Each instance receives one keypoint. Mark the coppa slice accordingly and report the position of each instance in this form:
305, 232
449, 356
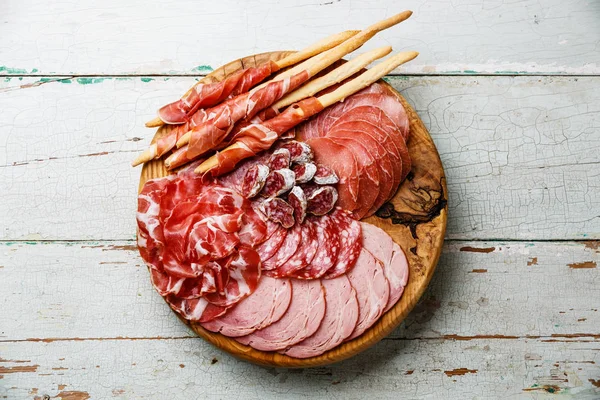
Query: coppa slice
341, 315
343, 163
372, 293
264, 307
301, 320
327, 254
350, 243
195, 309
395, 265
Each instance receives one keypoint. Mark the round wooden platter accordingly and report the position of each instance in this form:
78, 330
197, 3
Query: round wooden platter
415, 218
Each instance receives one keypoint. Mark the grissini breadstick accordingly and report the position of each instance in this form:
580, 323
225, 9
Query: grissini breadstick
316, 64
205, 92
261, 136
179, 158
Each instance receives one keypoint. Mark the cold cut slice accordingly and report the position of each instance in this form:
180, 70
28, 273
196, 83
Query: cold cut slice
301, 320
395, 265
303, 255
278, 182
327, 253
304, 172
372, 291
325, 176
264, 307
279, 211
299, 152
254, 180
321, 200
297, 199
341, 315
286, 250
279, 159
198, 309
269, 247
350, 243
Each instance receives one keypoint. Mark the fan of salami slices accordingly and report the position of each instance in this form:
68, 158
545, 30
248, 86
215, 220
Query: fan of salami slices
287, 198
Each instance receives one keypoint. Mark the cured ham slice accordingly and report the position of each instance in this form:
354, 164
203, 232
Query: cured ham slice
300, 321
372, 292
266, 306
395, 265
341, 315
198, 309
343, 162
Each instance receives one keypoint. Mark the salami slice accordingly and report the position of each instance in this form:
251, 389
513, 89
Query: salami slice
300, 152
254, 180
325, 176
327, 253
297, 199
278, 210
322, 200
304, 254
304, 172
278, 182
244, 273
350, 243
270, 246
286, 250
280, 159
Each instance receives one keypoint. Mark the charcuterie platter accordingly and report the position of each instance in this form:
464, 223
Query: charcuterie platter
269, 245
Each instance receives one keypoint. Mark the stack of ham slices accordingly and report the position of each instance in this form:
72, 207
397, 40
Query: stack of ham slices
259, 236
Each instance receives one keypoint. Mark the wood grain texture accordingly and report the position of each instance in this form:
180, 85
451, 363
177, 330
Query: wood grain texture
87, 290
128, 37
422, 201
520, 153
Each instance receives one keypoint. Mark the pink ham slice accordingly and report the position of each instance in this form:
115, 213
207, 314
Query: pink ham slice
301, 320
372, 290
338, 323
343, 162
264, 307
395, 266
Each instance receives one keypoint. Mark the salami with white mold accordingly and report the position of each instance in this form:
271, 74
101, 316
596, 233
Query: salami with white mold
278, 182
304, 172
278, 210
297, 199
322, 200
325, 176
300, 152
280, 159
254, 180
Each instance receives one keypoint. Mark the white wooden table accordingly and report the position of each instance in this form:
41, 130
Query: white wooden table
510, 92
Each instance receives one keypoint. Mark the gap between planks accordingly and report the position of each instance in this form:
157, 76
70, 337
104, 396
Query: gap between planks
409, 74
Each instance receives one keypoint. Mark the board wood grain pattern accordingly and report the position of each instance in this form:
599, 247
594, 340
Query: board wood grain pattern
421, 194
519, 153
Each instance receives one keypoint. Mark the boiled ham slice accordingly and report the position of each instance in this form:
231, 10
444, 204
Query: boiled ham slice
301, 320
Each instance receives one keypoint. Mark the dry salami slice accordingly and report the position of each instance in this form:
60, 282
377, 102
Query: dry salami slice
304, 172
244, 273
278, 210
325, 176
286, 250
327, 253
280, 159
322, 200
278, 182
297, 199
300, 152
269, 247
303, 255
350, 243
254, 180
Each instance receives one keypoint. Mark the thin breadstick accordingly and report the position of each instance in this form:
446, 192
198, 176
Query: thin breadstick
337, 75
365, 79
308, 52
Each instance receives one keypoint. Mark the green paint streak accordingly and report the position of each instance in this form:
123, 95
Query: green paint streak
34, 70
202, 68
123, 79
20, 78
16, 71
89, 81
147, 79
469, 71
166, 79
7, 80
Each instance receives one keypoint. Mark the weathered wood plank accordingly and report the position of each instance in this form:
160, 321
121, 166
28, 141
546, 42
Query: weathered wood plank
520, 153
189, 368
481, 289
128, 37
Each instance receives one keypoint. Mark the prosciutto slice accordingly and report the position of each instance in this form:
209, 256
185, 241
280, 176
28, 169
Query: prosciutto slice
301, 320
203, 95
266, 306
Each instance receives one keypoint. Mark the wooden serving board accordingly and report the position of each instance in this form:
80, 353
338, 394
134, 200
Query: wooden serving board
415, 218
